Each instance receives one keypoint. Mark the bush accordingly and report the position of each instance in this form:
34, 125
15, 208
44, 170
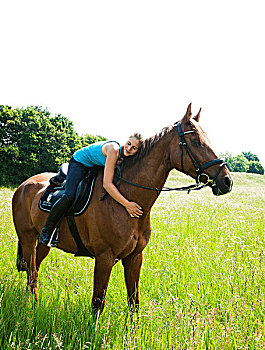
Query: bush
240, 164
255, 168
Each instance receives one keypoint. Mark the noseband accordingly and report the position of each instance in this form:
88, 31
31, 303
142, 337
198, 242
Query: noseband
198, 167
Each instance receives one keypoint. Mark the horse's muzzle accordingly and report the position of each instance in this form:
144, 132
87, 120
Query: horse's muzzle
222, 185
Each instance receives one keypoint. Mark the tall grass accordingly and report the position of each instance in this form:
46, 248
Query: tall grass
201, 287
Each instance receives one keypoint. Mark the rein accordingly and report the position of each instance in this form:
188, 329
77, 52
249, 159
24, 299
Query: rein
198, 167
194, 187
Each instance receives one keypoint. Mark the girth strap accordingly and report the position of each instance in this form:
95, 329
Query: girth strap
81, 249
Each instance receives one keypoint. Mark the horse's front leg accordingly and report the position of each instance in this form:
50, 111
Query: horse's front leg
103, 267
132, 266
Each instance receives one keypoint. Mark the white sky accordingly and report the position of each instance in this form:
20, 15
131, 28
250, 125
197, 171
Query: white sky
115, 67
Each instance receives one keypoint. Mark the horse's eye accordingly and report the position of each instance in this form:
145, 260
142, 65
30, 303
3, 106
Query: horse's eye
196, 142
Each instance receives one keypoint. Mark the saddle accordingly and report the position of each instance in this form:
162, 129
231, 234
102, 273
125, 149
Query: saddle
82, 199
57, 187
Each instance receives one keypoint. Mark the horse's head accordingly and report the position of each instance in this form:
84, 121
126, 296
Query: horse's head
191, 153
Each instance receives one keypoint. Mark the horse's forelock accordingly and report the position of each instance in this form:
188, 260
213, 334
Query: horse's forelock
200, 132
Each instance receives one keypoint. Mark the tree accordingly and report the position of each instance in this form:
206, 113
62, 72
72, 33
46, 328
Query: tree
88, 139
245, 162
32, 141
250, 156
240, 164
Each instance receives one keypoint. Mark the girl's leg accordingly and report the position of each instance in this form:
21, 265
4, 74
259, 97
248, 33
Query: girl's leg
76, 172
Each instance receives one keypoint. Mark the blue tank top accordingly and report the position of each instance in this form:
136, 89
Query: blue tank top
92, 154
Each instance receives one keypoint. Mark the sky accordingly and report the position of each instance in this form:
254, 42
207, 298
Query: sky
116, 67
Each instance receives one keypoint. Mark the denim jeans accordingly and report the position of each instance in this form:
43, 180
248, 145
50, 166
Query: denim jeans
76, 173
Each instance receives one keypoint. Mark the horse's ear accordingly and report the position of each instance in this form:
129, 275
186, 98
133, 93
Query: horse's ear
197, 117
188, 114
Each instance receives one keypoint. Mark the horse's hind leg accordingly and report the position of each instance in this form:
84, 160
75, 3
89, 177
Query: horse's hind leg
21, 265
28, 244
29, 259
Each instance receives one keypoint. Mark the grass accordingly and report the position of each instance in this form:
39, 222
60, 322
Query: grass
201, 287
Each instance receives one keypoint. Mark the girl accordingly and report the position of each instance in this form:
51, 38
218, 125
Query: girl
103, 153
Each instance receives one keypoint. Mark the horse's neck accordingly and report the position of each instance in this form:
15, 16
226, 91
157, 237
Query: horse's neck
151, 171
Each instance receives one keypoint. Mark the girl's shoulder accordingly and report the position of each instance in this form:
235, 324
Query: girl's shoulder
112, 144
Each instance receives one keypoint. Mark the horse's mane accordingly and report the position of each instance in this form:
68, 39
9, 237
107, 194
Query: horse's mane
146, 146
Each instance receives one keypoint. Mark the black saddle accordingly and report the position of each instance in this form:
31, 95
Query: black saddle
57, 187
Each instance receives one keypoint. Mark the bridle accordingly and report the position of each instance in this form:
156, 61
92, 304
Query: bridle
198, 167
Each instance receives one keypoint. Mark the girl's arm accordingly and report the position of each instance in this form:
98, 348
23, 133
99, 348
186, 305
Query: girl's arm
132, 208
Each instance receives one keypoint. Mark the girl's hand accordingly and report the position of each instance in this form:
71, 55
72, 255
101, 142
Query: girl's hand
134, 209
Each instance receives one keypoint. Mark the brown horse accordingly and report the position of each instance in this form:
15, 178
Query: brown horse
105, 228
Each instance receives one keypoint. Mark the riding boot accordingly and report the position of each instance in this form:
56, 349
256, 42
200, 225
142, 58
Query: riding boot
56, 214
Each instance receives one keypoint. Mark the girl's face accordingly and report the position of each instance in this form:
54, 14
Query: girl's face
131, 147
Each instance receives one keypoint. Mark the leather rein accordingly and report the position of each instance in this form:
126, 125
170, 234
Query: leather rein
199, 169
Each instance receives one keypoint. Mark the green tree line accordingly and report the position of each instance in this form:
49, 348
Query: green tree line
246, 162
32, 141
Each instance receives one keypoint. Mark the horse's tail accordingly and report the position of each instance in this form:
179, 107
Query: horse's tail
21, 264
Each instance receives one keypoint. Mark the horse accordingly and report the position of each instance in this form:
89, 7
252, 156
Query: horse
105, 228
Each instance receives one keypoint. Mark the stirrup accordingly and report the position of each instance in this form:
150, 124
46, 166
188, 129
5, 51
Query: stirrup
49, 241
53, 241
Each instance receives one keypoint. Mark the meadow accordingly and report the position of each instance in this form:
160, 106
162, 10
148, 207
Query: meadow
202, 282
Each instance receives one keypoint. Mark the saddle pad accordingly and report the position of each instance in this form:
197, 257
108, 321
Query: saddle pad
82, 198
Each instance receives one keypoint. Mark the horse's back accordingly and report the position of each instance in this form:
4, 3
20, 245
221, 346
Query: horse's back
28, 189
23, 199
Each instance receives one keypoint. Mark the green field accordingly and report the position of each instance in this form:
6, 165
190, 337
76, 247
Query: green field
202, 283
